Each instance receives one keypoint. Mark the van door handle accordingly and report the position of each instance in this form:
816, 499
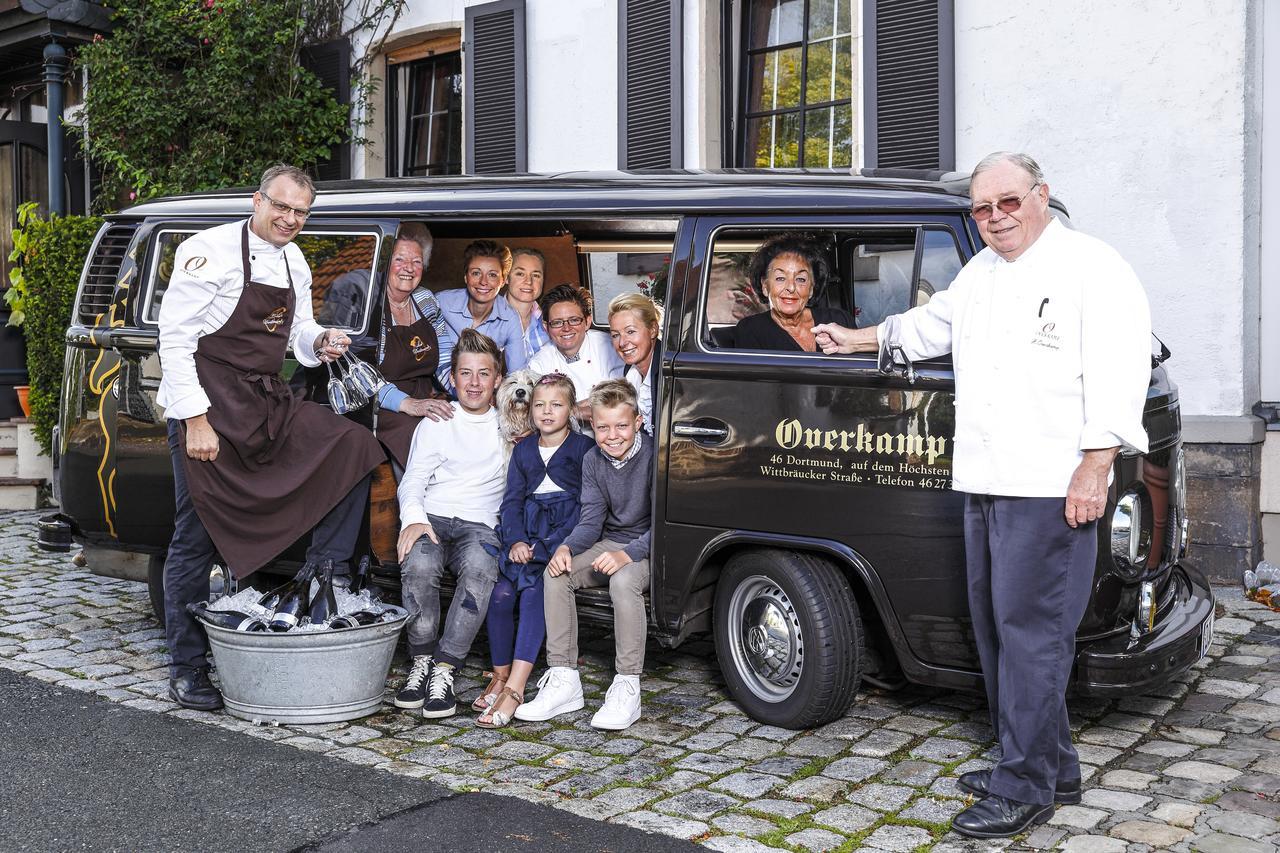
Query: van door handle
701, 430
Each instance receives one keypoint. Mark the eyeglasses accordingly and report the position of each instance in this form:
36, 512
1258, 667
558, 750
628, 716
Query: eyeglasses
282, 208
1008, 204
571, 322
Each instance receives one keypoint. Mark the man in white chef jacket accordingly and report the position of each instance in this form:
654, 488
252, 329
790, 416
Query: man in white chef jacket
1049, 334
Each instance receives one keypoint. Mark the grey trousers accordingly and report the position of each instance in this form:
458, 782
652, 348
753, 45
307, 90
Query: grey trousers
463, 551
626, 589
1030, 576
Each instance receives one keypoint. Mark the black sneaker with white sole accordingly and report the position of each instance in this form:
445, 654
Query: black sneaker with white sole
414, 692
441, 701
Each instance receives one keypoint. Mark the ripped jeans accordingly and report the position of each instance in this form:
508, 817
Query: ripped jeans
463, 550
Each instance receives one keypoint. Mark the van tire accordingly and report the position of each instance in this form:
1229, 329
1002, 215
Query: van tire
811, 670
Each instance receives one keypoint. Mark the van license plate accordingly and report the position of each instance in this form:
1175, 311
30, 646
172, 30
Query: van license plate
1206, 635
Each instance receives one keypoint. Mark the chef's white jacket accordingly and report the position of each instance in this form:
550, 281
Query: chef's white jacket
1052, 357
202, 296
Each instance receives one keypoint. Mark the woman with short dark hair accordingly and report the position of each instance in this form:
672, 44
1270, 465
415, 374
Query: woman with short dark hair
786, 271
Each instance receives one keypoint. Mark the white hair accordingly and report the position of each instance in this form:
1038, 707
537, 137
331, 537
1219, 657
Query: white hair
1023, 161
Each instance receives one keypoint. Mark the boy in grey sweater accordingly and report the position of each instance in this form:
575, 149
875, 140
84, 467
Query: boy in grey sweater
608, 547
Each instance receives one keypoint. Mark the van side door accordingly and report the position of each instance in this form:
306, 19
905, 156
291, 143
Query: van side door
806, 450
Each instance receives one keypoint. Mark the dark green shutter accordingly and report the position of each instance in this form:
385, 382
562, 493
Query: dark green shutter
650, 102
909, 71
493, 50
331, 62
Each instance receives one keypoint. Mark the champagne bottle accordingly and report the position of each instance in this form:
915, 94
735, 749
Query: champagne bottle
293, 601
324, 606
234, 619
361, 578
357, 619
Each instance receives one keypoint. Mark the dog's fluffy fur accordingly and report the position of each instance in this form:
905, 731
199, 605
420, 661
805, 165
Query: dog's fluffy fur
515, 394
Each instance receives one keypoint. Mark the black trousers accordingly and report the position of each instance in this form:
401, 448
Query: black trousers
191, 555
1030, 575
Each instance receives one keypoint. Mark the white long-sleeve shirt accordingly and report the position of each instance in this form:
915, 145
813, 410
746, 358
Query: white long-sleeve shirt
1052, 357
203, 291
597, 361
456, 469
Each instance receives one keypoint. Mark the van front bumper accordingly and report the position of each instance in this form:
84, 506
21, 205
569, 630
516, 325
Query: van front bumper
1122, 665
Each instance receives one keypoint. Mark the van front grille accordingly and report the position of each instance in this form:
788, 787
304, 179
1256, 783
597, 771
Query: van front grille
104, 271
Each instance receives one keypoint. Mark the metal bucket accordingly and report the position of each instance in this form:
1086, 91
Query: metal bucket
308, 677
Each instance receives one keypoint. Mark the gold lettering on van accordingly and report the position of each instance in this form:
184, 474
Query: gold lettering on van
791, 434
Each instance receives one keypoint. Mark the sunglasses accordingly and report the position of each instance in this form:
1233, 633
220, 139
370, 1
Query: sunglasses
1008, 204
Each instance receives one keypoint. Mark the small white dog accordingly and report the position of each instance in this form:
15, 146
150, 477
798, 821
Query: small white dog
515, 395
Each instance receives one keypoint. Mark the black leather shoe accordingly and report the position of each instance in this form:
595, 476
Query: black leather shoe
194, 690
999, 817
977, 782
996, 817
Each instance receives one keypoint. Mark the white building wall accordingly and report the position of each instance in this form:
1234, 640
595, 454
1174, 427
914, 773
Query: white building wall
572, 60
1144, 119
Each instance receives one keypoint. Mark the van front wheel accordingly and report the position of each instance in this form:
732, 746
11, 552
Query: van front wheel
789, 637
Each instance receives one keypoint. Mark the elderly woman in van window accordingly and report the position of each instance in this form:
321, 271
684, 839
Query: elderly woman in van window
578, 351
412, 347
785, 271
633, 328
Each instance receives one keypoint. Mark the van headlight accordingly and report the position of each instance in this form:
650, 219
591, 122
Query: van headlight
1145, 617
1181, 523
1130, 543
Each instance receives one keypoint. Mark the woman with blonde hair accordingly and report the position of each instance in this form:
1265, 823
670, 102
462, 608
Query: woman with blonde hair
634, 321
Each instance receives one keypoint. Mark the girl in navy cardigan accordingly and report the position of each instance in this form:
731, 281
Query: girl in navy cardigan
539, 508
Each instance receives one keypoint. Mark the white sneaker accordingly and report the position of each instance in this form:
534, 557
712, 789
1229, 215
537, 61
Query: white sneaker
621, 705
559, 692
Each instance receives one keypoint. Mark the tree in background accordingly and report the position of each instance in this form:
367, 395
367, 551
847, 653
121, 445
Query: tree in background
189, 95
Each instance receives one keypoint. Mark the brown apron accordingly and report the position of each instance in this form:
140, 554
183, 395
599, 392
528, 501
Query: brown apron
409, 361
282, 463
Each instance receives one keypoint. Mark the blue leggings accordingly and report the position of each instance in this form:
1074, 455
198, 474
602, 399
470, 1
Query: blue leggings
501, 622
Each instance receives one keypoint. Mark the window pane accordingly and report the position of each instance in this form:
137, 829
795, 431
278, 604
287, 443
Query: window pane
828, 137
8, 210
773, 142
419, 144
615, 273
342, 266
776, 22
828, 18
775, 80
939, 264
829, 72
882, 269
162, 267
33, 177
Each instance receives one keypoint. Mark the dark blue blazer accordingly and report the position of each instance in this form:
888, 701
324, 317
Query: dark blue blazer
524, 472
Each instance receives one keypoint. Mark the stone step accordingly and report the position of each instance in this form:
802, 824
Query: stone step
20, 493
8, 461
8, 434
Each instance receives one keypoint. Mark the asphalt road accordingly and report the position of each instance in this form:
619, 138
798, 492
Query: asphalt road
82, 773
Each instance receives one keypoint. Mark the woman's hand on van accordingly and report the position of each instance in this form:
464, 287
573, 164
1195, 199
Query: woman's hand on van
202, 441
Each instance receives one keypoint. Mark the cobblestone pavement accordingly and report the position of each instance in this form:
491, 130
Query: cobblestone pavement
1193, 765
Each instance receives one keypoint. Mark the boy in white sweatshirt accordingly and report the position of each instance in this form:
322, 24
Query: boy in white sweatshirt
449, 498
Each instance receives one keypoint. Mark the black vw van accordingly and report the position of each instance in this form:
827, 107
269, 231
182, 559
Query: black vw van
802, 511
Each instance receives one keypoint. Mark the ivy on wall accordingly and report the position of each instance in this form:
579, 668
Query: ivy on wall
189, 95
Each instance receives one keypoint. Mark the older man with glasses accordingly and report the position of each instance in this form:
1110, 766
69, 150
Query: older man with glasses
1049, 332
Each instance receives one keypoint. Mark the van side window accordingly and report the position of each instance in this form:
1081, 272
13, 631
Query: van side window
342, 265
616, 267
875, 272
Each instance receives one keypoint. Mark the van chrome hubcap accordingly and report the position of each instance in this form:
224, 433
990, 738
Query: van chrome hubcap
765, 638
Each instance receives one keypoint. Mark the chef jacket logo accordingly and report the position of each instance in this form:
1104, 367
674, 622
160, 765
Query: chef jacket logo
419, 348
274, 320
1046, 338
194, 263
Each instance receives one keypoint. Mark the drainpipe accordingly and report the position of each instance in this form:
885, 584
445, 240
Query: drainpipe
55, 71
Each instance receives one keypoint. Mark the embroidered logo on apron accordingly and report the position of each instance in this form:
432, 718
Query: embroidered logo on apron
419, 348
274, 320
194, 263
1046, 337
